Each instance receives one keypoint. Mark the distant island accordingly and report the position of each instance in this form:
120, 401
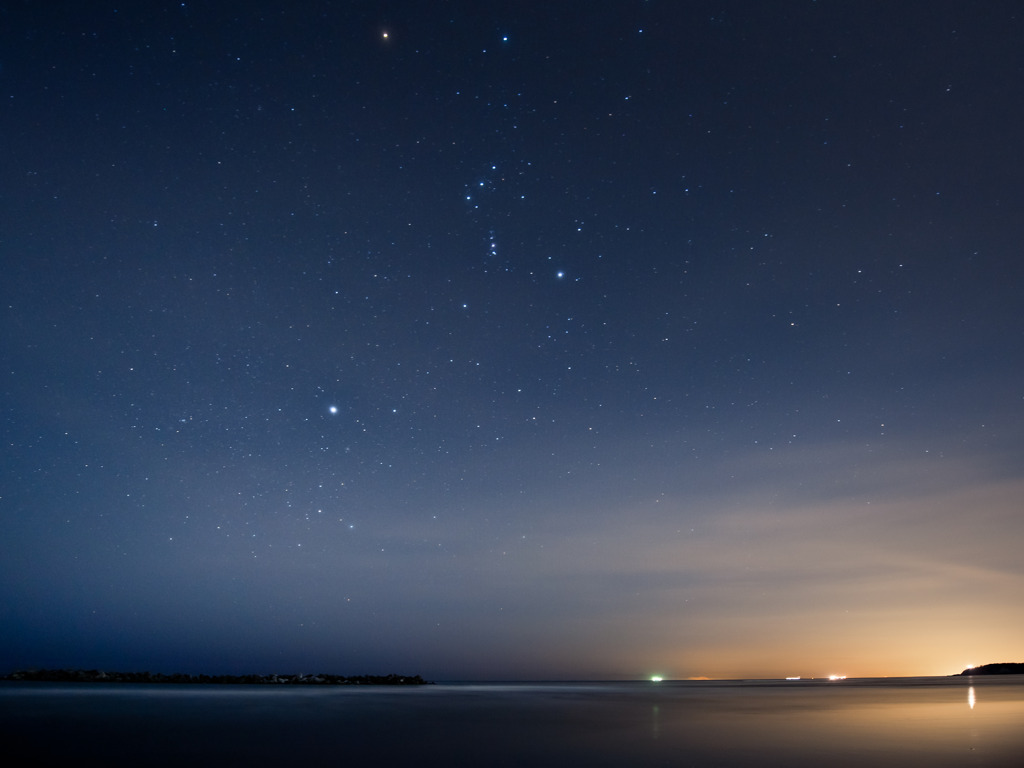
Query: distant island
1005, 668
98, 676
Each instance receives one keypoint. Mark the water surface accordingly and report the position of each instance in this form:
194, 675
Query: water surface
886, 722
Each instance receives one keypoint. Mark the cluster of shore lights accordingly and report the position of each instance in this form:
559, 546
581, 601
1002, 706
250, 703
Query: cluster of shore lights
830, 677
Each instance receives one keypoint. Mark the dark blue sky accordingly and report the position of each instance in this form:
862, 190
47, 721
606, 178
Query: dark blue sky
488, 340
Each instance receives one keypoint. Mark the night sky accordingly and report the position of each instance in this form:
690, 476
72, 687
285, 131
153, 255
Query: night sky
512, 340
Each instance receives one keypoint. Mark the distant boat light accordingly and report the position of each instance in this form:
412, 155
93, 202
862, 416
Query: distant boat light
837, 677
656, 678
792, 678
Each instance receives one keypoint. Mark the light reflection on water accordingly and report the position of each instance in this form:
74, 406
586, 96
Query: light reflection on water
919, 721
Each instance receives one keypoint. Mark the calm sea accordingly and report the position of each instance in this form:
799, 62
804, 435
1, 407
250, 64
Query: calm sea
878, 722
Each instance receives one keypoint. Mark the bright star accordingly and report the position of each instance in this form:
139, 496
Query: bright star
333, 409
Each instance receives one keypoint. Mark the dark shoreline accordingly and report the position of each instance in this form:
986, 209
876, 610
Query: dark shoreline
1003, 668
99, 676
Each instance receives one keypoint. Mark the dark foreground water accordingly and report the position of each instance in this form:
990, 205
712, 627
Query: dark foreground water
891, 722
